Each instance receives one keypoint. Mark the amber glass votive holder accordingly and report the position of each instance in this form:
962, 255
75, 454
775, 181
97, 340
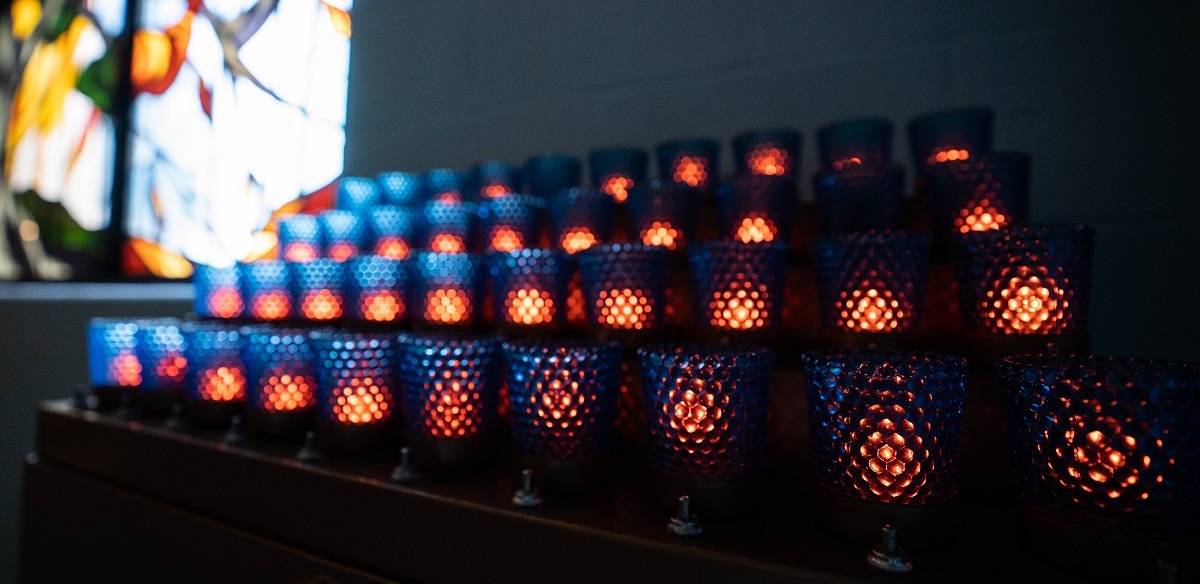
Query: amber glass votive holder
1106, 455
885, 428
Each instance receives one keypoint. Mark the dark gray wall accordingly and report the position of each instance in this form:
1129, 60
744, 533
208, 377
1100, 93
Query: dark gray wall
43, 355
1102, 95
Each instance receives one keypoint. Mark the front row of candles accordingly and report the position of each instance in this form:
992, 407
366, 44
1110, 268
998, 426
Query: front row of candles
1110, 442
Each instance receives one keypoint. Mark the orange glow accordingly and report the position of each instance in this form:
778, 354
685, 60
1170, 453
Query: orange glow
846, 163
691, 170
505, 239
948, 155
392, 248
576, 305
382, 306
756, 229
887, 460
493, 191
342, 251
530, 306
695, 412
982, 214
299, 252
1101, 461
767, 160
577, 240
225, 303
222, 384
271, 306
448, 243
661, 233
873, 310
454, 408
285, 392
126, 370
741, 306
448, 197
617, 186
447, 306
361, 401
172, 368
322, 305
1027, 303
624, 309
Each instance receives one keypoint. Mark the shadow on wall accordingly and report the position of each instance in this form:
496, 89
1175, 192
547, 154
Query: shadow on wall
43, 355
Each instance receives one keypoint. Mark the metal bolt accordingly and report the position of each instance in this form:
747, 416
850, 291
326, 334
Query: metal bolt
309, 452
684, 523
527, 495
887, 557
404, 471
176, 423
235, 435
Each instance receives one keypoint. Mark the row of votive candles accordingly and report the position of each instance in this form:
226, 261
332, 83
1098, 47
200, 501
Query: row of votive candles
1102, 440
1019, 280
949, 136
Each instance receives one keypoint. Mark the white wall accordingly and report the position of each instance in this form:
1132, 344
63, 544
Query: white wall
1102, 95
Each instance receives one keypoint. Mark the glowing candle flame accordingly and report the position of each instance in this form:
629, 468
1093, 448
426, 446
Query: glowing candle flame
530, 306
1103, 460
767, 160
695, 412
285, 392
322, 305
447, 306
846, 163
172, 368
505, 239
617, 186
361, 401
222, 384
661, 233
300, 252
981, 214
870, 309
225, 303
756, 229
741, 306
886, 459
448, 197
381, 306
447, 243
1028, 302
494, 191
691, 171
454, 408
126, 369
577, 240
271, 306
948, 155
342, 251
624, 309
393, 248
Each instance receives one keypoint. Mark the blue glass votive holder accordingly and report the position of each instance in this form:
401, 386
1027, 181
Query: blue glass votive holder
446, 289
344, 234
448, 185
885, 428
663, 214
392, 230
494, 178
161, 351
281, 381
113, 366
563, 399
356, 193
758, 209
948, 136
401, 188
299, 238
691, 163
549, 175
859, 198
218, 292
617, 170
512, 222
1106, 455
449, 226
871, 283
529, 288
356, 387
376, 289
216, 378
767, 153
624, 286
1026, 280
266, 289
318, 288
738, 287
581, 218
854, 143
986, 192
451, 397
706, 416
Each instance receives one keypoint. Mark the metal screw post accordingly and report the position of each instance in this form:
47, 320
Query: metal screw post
404, 471
887, 557
309, 452
684, 523
527, 496
235, 435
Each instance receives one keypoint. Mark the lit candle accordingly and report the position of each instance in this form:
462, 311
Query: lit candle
446, 185
581, 218
985, 193
496, 178
736, 286
355, 386
161, 352
112, 358
663, 215
871, 282
767, 152
444, 288
281, 387
216, 378
885, 425
343, 232
266, 288
1025, 280
318, 287
757, 209
217, 292
299, 238
512, 222
393, 229
529, 286
688, 163
1104, 442
577, 240
624, 285
615, 171
948, 136
449, 226
376, 289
